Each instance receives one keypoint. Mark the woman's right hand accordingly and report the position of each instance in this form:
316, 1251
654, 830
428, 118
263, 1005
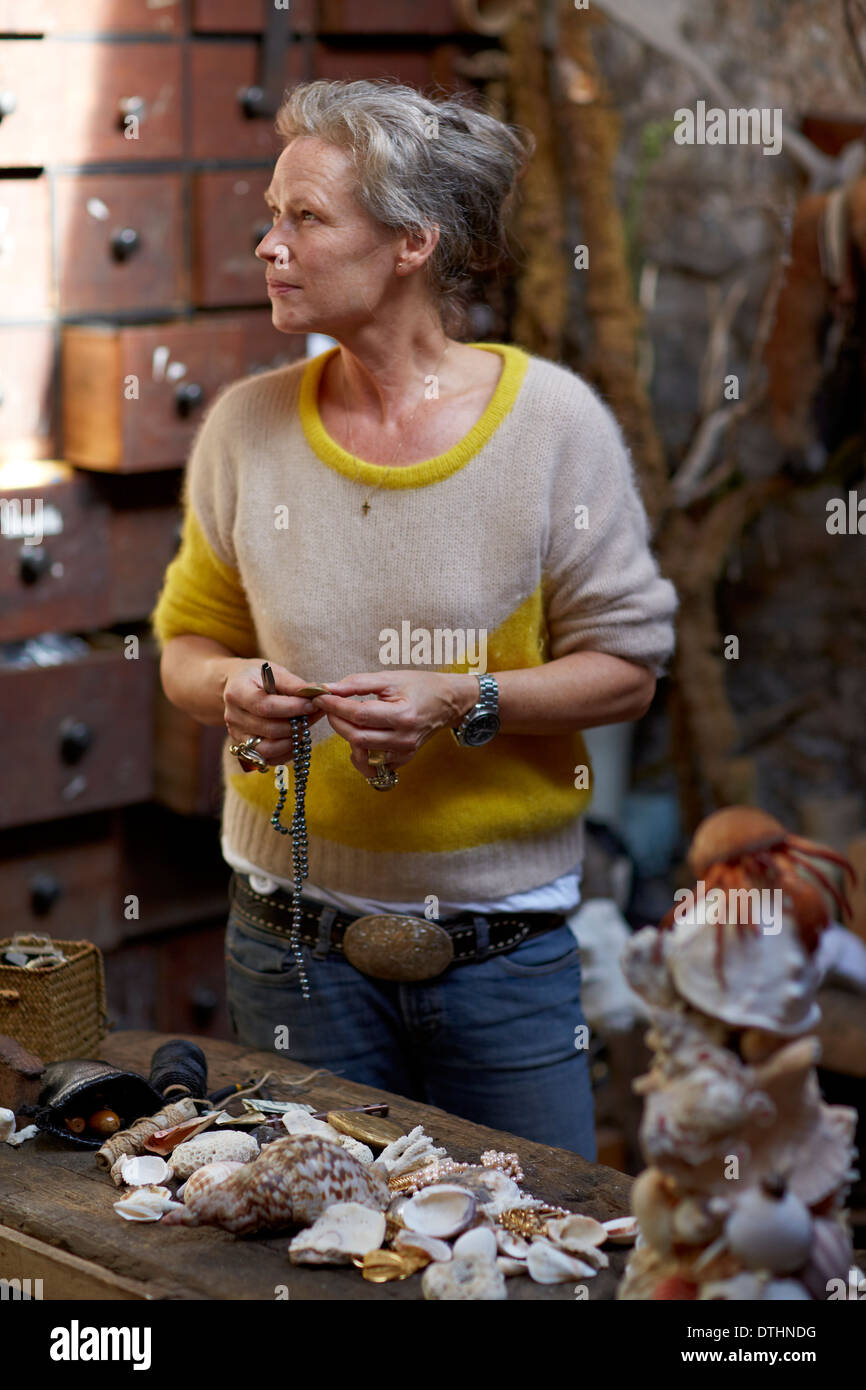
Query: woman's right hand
251, 713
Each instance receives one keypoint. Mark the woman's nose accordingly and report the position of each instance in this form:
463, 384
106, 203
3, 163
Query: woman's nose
272, 247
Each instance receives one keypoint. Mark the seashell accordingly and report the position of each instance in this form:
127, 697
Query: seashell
509, 1266
492, 1189
511, 1244
675, 1288
548, 1265
300, 1122
785, 1291
621, 1230
653, 1206
746, 1287
209, 1148
291, 1183
442, 1210
356, 1148
576, 1233
7, 1124
438, 1250
164, 1140
693, 1223
469, 1277
146, 1204
209, 1176
345, 1231
830, 1257
143, 1170
480, 1240
770, 1230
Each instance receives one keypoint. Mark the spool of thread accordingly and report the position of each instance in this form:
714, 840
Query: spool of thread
179, 1068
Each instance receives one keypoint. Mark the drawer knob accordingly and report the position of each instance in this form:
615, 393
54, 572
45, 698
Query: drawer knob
130, 106
75, 739
44, 891
252, 102
187, 397
125, 241
33, 562
8, 103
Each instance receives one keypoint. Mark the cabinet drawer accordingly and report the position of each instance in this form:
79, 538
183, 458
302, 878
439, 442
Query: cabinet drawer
413, 66
386, 17
220, 127
53, 556
72, 891
230, 17
76, 737
142, 543
121, 242
91, 16
25, 248
176, 369
89, 88
229, 220
26, 392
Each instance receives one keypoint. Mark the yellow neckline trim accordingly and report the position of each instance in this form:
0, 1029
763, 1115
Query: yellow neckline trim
425, 471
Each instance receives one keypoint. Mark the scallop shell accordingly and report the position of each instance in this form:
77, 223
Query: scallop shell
209, 1176
291, 1183
768, 980
469, 1278
211, 1148
548, 1265
346, 1231
442, 1210
438, 1250
143, 1170
146, 1204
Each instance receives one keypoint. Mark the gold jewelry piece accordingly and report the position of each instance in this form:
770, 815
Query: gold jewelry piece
365, 507
386, 777
247, 756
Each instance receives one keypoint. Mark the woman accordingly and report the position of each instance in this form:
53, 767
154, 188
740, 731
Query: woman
448, 536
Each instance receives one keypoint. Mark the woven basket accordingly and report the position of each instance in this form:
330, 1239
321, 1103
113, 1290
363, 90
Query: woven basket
56, 1011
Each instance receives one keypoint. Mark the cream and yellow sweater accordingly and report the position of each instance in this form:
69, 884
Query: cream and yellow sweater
529, 533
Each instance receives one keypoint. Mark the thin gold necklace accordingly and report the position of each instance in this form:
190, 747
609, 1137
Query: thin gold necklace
365, 507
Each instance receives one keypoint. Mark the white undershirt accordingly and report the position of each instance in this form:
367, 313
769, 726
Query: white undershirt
562, 895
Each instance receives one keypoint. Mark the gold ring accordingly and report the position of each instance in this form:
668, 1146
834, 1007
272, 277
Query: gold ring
386, 777
247, 756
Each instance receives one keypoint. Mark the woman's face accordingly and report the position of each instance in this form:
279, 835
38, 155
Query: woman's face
329, 264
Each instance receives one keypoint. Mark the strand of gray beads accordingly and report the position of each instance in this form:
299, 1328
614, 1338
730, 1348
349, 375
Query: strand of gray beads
301, 761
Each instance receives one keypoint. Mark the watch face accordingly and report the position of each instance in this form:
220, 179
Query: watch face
481, 730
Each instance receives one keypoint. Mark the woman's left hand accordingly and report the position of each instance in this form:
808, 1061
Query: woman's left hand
407, 709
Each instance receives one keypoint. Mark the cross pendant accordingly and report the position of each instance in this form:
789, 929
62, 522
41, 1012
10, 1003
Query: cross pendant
366, 507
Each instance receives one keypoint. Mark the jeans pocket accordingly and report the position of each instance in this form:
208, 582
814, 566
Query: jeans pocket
547, 954
259, 957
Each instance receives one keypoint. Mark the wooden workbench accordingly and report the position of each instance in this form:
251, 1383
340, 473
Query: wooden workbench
57, 1222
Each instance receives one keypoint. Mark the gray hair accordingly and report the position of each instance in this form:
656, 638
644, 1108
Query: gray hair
422, 163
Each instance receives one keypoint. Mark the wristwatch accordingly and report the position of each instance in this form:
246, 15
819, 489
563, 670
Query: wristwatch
482, 722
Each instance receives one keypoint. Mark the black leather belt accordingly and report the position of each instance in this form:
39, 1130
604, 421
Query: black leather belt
474, 935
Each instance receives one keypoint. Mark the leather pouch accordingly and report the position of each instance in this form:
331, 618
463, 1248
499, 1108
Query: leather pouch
79, 1086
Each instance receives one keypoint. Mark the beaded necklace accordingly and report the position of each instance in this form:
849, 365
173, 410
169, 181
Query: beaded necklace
301, 749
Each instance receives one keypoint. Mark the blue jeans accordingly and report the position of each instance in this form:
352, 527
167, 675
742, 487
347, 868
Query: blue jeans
497, 1041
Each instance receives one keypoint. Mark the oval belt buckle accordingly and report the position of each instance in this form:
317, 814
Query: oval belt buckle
391, 946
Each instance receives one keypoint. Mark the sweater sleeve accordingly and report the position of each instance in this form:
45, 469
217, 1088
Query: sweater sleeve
203, 593
603, 588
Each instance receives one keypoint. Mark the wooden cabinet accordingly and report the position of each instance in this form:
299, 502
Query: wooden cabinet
27, 391
26, 281
92, 16
134, 396
76, 737
229, 220
221, 128
120, 242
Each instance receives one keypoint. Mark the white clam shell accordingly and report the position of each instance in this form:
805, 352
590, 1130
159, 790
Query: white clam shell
442, 1210
576, 1233
210, 1176
480, 1240
438, 1250
494, 1190
548, 1265
766, 1232
212, 1148
621, 1230
7, 1124
514, 1246
509, 1266
143, 1170
344, 1231
146, 1204
468, 1278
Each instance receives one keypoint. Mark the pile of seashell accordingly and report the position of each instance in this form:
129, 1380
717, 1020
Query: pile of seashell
744, 1198
469, 1227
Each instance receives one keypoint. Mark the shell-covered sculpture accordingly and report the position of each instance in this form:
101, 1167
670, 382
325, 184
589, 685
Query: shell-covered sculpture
290, 1184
